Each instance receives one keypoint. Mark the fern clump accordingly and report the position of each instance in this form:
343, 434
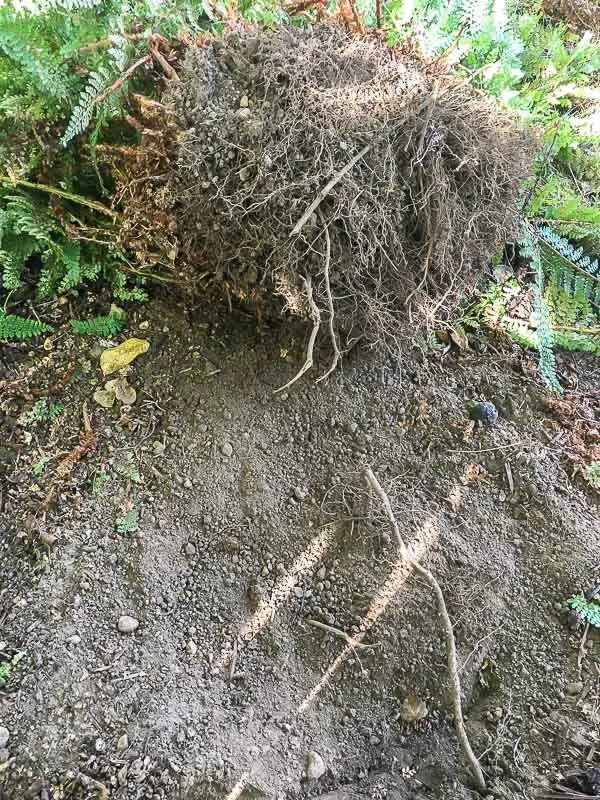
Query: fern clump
13, 326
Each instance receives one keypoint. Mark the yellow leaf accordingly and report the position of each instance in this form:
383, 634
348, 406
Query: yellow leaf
413, 709
116, 358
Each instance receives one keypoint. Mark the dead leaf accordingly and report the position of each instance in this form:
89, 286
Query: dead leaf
115, 358
459, 338
413, 709
105, 397
124, 391
474, 473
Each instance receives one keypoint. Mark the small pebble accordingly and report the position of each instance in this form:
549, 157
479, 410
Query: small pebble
299, 493
127, 624
4, 736
4, 755
227, 450
191, 647
99, 745
123, 743
575, 688
315, 766
190, 549
244, 101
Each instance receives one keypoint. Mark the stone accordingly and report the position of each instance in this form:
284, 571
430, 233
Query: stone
315, 766
299, 493
4, 736
127, 624
576, 687
99, 745
190, 549
191, 647
123, 743
227, 450
4, 755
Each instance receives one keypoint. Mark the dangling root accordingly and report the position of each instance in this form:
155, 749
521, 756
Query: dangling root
315, 315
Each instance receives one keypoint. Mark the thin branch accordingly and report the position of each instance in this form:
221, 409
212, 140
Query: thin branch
316, 318
326, 189
165, 66
121, 79
336, 350
74, 198
461, 732
342, 634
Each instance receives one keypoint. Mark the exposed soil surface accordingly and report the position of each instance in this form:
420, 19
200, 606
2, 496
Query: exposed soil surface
252, 519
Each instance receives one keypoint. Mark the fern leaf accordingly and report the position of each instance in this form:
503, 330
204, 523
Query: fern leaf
100, 326
15, 327
83, 112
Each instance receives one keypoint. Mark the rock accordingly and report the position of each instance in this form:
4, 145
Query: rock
315, 766
227, 450
4, 736
99, 745
576, 687
299, 493
123, 743
321, 573
4, 755
244, 101
127, 624
191, 647
190, 549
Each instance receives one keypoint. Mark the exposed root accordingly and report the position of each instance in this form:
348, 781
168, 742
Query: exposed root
455, 689
353, 642
336, 350
315, 315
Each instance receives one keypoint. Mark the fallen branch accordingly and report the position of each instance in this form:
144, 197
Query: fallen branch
121, 79
406, 554
341, 634
316, 318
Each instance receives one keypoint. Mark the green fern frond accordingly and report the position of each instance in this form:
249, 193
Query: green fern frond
100, 326
83, 112
15, 327
588, 611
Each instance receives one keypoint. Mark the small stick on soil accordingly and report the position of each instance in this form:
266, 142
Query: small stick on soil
326, 189
342, 634
461, 732
582, 651
336, 350
316, 318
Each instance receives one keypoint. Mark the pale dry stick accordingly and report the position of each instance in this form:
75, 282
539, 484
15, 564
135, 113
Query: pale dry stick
120, 80
461, 732
336, 350
342, 634
326, 189
316, 317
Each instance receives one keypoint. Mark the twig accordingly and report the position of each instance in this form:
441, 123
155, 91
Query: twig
336, 350
378, 14
120, 80
489, 449
342, 634
165, 66
461, 732
582, 651
326, 189
316, 318
74, 198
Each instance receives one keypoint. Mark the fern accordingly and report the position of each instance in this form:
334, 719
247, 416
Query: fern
15, 327
588, 611
127, 522
83, 112
592, 474
100, 326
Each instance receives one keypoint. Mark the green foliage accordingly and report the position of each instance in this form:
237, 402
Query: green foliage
127, 522
5, 672
15, 327
39, 467
592, 474
101, 479
43, 411
100, 326
588, 611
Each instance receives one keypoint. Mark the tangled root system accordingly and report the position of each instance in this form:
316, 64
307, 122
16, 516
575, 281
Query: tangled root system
315, 166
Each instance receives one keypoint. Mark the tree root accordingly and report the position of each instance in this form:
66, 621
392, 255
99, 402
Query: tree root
336, 350
316, 318
461, 732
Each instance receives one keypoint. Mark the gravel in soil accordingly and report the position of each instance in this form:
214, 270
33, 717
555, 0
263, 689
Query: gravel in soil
154, 619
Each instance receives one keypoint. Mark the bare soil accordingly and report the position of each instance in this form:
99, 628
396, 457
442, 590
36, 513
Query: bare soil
253, 519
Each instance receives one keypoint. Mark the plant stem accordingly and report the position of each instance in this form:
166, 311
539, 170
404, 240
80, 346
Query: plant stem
74, 198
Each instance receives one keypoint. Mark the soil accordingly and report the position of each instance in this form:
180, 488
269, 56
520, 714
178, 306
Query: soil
246, 517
